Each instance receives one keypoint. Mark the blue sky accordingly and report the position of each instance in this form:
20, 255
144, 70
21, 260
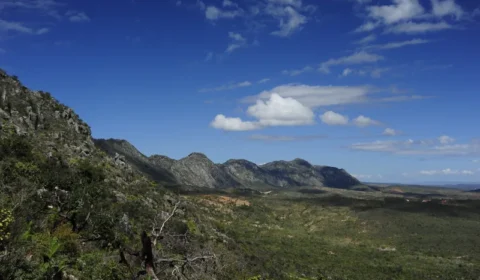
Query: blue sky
388, 90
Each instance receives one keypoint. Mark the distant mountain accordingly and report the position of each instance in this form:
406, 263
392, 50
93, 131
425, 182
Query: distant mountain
198, 170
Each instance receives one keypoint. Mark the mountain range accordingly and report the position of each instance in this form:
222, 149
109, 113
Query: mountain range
197, 169
58, 130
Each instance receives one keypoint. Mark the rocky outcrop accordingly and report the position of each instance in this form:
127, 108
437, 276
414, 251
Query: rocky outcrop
37, 114
198, 170
295, 173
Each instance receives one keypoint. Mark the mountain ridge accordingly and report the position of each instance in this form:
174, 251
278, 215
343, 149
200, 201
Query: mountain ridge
196, 169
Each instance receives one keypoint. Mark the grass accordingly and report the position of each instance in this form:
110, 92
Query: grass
354, 235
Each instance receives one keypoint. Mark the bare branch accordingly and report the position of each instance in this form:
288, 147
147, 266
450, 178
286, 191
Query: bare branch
156, 234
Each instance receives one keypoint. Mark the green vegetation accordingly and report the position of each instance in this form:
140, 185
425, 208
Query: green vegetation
290, 235
67, 216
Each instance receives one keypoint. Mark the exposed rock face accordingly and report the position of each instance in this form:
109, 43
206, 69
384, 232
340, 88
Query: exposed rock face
197, 170
35, 113
295, 173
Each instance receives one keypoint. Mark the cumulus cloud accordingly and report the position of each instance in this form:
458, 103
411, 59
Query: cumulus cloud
446, 171
281, 111
233, 124
390, 132
297, 72
398, 11
316, 96
441, 8
276, 111
227, 87
356, 58
332, 118
362, 121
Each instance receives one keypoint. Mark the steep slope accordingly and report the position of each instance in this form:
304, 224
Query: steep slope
249, 174
70, 211
124, 151
37, 114
197, 170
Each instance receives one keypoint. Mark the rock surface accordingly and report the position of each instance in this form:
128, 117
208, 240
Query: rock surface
198, 170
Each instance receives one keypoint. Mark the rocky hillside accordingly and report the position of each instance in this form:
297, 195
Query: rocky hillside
70, 211
197, 170
37, 114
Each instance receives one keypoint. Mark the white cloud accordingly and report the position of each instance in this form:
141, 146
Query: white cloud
368, 39
446, 171
14, 26
227, 87
332, 118
290, 20
238, 41
233, 124
297, 71
236, 36
362, 121
290, 14
44, 7
417, 28
42, 31
214, 13
401, 10
228, 3
441, 8
346, 72
316, 96
409, 16
368, 26
356, 58
75, 16
277, 111
396, 45
421, 147
262, 81
21, 28
390, 132
281, 111
445, 139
